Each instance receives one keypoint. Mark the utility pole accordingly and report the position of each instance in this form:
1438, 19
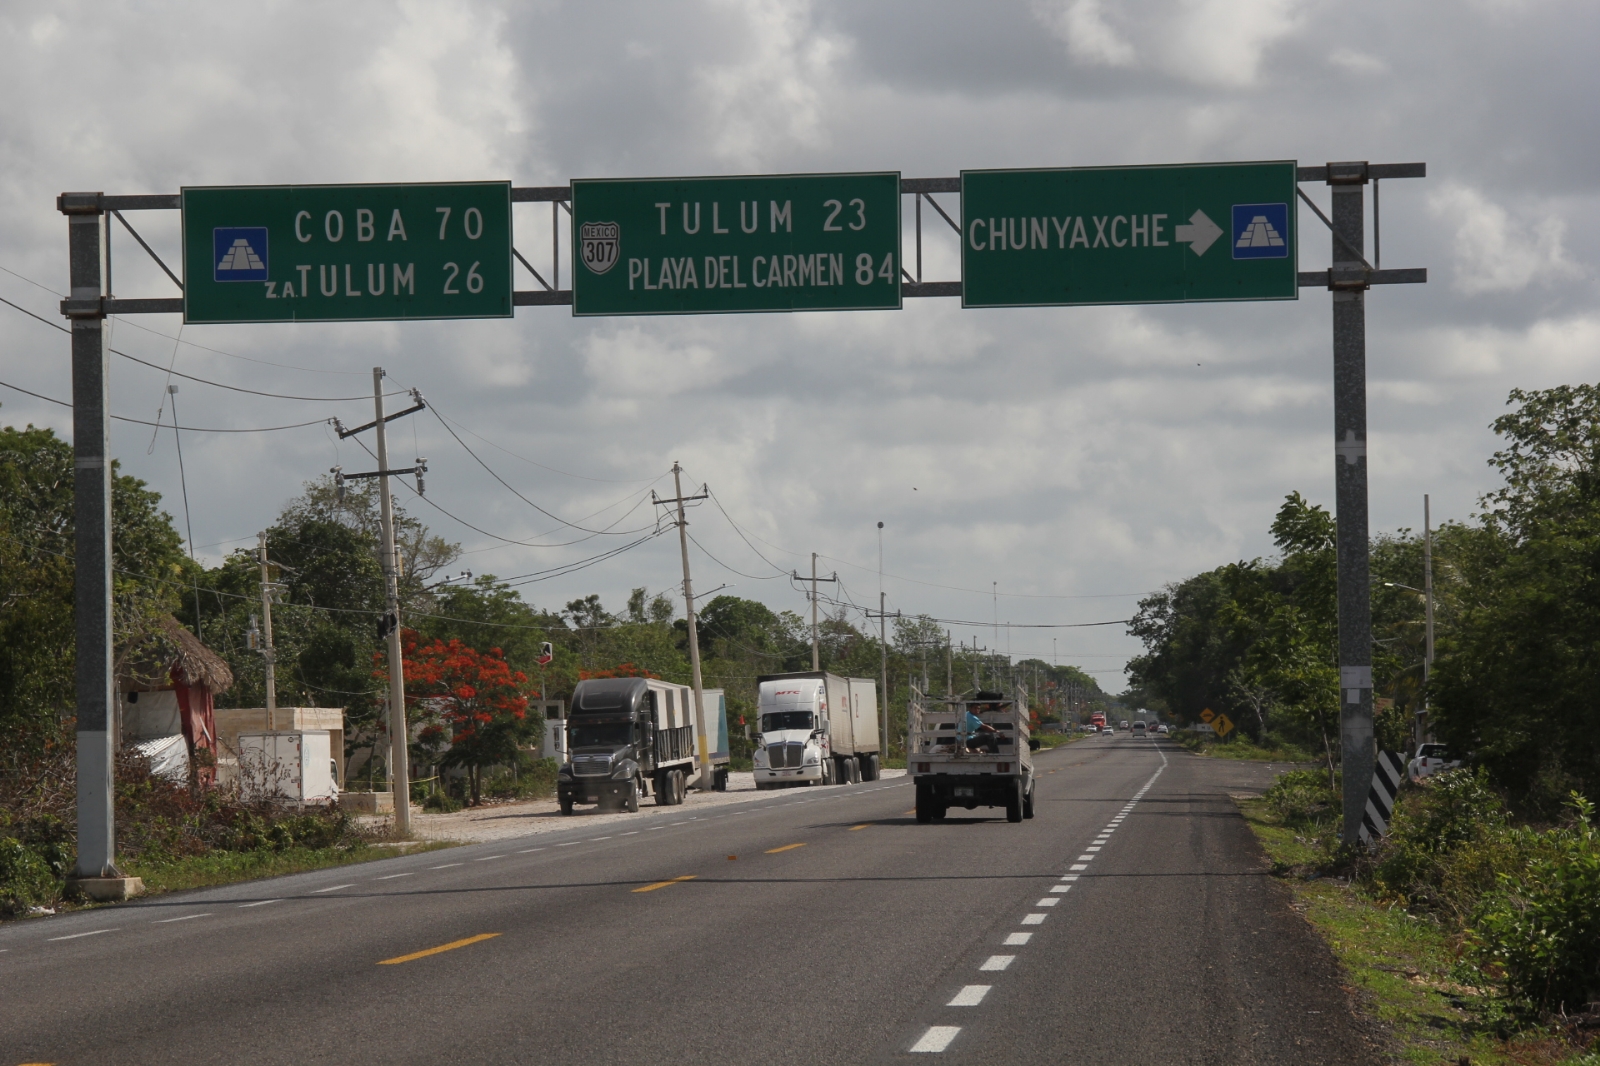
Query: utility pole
1424, 726
267, 655
706, 774
883, 642
399, 732
949, 667
94, 683
816, 658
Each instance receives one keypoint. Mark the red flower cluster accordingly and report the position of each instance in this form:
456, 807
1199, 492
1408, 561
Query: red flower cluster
474, 689
620, 670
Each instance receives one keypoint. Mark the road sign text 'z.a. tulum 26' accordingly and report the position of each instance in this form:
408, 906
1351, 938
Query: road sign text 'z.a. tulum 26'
793, 242
297, 253
1120, 235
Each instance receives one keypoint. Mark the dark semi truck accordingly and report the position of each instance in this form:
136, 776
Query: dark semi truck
630, 737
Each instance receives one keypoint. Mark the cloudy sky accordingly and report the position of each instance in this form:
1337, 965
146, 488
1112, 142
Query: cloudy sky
1070, 458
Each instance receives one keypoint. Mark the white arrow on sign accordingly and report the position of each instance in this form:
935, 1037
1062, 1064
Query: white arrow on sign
1201, 233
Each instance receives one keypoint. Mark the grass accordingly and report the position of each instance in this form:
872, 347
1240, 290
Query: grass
232, 867
1402, 966
1240, 747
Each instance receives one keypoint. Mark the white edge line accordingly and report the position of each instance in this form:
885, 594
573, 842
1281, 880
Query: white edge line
259, 903
335, 888
184, 918
447, 866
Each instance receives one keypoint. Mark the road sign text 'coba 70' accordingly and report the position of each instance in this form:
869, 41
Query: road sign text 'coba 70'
343, 252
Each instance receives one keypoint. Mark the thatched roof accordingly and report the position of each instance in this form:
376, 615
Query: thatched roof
182, 651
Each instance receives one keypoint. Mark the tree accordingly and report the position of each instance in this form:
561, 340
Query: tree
475, 706
37, 637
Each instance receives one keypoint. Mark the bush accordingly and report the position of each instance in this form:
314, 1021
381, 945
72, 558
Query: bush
1303, 798
1448, 845
441, 803
26, 878
1539, 934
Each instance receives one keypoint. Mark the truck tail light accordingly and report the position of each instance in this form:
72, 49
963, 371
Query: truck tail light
1002, 768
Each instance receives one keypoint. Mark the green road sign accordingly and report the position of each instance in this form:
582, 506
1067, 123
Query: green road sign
298, 253
792, 242
1124, 235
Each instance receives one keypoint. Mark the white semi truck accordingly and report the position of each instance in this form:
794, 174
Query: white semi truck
817, 728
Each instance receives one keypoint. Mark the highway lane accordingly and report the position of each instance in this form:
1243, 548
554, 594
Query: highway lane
805, 926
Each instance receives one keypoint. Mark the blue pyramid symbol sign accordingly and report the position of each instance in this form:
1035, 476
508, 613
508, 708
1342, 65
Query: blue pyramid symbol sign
239, 253
1261, 231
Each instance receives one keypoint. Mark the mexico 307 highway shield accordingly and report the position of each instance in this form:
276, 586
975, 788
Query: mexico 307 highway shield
1123, 235
795, 242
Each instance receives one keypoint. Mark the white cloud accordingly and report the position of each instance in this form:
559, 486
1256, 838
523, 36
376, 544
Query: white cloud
1496, 251
1208, 42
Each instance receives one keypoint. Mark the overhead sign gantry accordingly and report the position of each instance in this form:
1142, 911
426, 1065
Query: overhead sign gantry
1046, 237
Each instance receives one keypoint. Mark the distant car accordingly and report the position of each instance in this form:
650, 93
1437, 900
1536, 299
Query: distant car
1162, 729
1123, 725
1431, 759
1138, 729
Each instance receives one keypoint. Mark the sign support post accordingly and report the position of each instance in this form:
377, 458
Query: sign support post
1348, 182
91, 438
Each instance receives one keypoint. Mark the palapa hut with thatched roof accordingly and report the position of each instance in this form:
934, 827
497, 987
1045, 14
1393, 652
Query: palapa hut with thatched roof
167, 688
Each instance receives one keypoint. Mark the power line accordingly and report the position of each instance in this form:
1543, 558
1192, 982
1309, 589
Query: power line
143, 422
190, 377
553, 470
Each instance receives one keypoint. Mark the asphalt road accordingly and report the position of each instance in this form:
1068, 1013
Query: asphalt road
1131, 922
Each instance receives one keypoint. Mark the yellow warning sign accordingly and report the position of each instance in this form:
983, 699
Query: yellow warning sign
1222, 724
1207, 714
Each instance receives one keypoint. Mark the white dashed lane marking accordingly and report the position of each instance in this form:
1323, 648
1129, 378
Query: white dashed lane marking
447, 866
996, 962
185, 918
259, 903
969, 996
391, 877
937, 1038
92, 932
333, 888
1016, 940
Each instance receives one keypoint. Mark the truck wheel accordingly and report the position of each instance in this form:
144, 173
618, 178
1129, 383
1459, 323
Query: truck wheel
664, 789
566, 804
719, 781
847, 771
1014, 802
869, 767
1027, 804
680, 787
632, 802
924, 804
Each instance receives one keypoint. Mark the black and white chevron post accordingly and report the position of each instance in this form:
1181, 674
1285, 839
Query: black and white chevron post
1387, 773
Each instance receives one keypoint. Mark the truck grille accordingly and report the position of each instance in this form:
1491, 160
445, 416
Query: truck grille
591, 765
785, 756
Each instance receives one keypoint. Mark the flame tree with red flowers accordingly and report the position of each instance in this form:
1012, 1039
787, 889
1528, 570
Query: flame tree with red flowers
471, 701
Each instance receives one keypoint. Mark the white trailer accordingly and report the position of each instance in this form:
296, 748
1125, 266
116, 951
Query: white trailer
817, 728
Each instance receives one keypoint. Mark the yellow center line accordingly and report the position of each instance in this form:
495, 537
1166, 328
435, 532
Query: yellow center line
664, 884
863, 825
786, 847
442, 947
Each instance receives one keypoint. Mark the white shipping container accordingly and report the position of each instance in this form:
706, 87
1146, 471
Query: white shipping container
293, 766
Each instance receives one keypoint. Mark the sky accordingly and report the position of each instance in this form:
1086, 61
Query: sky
1042, 466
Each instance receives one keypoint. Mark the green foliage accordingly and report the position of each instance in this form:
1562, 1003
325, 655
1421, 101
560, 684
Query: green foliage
26, 878
1303, 798
36, 576
1539, 935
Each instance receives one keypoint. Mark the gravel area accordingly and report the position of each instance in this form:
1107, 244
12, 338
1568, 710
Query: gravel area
506, 820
